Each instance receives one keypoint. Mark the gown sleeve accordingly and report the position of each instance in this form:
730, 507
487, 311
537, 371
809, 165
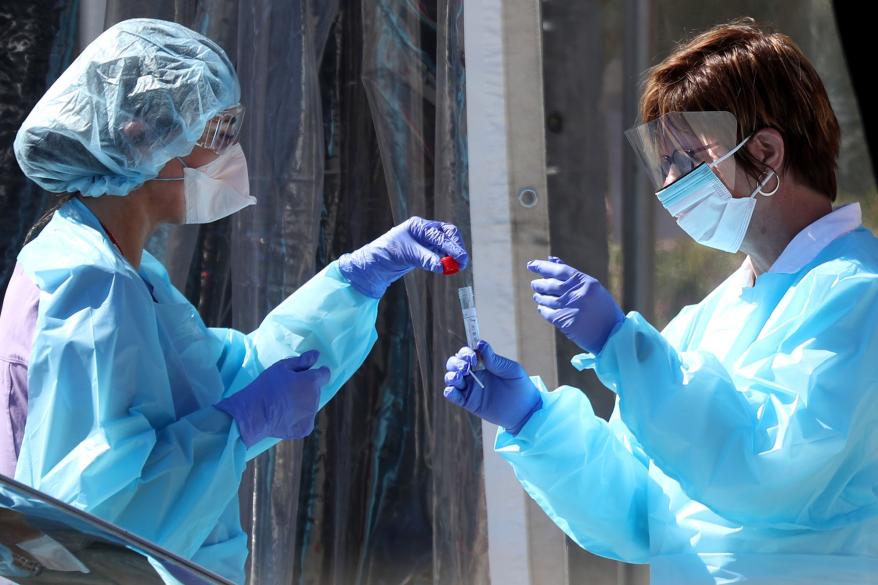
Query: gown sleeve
327, 314
590, 480
783, 437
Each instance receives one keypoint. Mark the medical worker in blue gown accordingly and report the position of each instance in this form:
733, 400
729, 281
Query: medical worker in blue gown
120, 401
743, 447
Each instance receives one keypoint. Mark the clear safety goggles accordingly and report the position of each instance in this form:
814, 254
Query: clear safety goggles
223, 130
671, 146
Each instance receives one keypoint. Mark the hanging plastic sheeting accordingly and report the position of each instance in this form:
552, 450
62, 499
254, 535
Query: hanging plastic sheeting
391, 482
413, 72
343, 143
36, 40
273, 245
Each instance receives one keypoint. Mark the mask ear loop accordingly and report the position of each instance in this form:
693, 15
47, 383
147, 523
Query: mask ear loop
730, 153
185, 166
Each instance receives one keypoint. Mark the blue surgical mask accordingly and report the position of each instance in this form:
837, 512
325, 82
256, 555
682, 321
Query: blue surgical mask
705, 208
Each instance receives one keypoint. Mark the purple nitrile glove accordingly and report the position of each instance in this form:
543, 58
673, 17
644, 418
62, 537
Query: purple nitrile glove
415, 243
574, 302
281, 402
508, 399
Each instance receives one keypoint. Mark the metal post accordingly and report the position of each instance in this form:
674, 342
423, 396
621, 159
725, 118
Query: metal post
638, 226
638, 230
91, 20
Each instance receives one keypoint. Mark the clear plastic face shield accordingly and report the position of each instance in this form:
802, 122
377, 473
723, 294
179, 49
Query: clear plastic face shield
672, 146
223, 130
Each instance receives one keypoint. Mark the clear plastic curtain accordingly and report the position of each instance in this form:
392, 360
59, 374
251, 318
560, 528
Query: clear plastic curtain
417, 99
273, 245
356, 120
391, 483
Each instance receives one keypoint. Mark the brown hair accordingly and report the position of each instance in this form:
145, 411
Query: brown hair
58, 203
766, 81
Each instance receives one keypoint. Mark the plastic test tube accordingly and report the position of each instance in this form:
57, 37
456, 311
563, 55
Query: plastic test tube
470, 323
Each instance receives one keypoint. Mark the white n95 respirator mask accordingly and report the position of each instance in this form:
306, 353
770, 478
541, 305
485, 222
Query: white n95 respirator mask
217, 189
705, 208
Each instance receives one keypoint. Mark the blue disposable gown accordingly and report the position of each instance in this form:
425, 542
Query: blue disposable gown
124, 375
744, 442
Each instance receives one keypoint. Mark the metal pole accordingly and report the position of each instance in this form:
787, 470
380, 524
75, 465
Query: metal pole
638, 229
91, 20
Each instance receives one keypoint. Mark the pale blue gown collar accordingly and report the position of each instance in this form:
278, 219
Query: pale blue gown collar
150, 271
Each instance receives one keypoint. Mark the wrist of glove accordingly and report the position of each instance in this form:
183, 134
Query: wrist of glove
281, 402
415, 243
508, 398
361, 269
575, 303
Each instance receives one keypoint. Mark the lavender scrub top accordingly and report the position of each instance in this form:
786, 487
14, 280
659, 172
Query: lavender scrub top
18, 320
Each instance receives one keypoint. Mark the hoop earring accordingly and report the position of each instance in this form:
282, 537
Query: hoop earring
768, 178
